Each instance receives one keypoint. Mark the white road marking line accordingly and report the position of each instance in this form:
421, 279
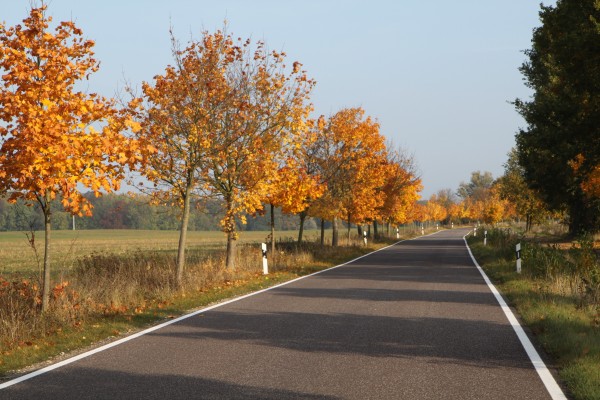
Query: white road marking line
553, 389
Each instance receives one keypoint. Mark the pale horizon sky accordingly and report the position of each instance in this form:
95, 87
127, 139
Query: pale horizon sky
437, 75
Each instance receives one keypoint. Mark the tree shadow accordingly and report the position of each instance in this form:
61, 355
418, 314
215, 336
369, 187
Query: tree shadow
478, 343
388, 295
102, 384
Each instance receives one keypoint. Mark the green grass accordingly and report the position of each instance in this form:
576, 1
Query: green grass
568, 330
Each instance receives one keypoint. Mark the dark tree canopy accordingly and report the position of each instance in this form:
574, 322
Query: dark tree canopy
560, 146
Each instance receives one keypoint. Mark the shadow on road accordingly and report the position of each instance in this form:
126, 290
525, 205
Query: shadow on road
101, 384
442, 340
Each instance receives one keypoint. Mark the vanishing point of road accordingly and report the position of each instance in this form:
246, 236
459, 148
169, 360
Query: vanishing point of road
413, 321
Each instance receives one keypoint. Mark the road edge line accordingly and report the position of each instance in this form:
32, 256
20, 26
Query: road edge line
136, 335
542, 370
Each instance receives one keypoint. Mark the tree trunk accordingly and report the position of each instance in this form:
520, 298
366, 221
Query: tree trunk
348, 231
359, 229
231, 236
322, 232
231, 249
272, 234
335, 233
375, 230
301, 229
183, 236
46, 283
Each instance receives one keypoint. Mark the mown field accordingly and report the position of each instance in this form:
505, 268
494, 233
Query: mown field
17, 256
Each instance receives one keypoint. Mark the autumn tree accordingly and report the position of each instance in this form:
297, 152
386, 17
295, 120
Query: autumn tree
311, 175
494, 209
177, 113
435, 209
295, 184
401, 188
513, 188
447, 199
266, 102
56, 140
475, 194
351, 154
559, 148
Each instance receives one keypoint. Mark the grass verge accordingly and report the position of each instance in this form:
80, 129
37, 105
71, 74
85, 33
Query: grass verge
550, 301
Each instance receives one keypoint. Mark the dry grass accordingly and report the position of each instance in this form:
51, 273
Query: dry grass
17, 256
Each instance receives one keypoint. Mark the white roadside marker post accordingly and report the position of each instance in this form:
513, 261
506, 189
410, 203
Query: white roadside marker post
437, 227
264, 259
518, 248
397, 233
365, 237
475, 232
485, 238
452, 225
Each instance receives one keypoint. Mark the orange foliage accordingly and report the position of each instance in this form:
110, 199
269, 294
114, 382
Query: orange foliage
590, 183
435, 211
57, 140
296, 184
351, 157
401, 190
223, 120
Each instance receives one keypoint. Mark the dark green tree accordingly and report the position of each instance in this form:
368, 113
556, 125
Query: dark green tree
561, 144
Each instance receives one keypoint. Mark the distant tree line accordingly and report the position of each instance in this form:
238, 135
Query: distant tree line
121, 211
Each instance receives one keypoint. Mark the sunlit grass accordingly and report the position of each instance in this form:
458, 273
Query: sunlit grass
18, 256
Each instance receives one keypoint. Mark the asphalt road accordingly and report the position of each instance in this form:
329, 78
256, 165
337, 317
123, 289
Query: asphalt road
413, 321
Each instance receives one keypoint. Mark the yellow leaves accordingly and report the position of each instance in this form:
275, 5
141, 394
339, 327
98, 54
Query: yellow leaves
54, 147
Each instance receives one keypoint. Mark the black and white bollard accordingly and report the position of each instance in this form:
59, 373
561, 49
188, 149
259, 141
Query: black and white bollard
365, 237
475, 232
264, 259
397, 233
518, 252
485, 238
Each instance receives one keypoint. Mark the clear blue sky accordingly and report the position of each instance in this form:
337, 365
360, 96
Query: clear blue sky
437, 74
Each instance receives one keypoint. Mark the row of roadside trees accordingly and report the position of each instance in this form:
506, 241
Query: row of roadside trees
229, 120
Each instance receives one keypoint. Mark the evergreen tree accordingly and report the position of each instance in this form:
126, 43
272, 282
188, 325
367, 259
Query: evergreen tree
560, 147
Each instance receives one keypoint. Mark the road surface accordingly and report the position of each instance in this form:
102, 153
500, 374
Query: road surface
413, 321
